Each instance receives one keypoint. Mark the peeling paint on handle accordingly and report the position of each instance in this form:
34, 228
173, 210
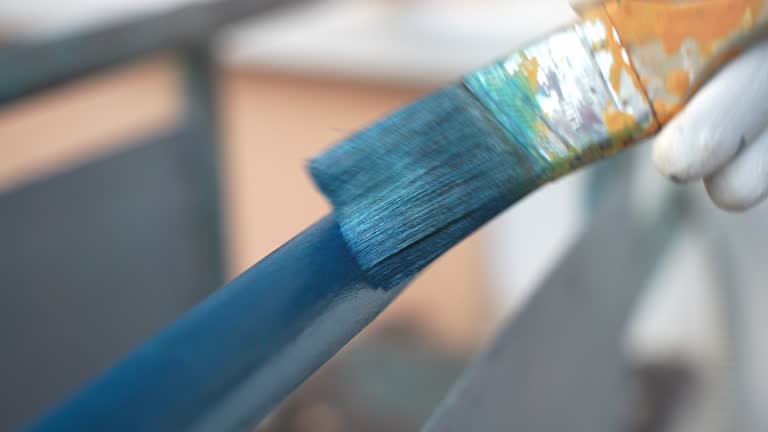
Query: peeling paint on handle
674, 46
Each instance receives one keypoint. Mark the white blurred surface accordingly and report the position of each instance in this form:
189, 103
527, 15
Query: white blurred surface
49, 18
427, 41
527, 241
680, 320
408, 41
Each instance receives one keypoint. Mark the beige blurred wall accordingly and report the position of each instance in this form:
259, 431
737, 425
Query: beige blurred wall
272, 123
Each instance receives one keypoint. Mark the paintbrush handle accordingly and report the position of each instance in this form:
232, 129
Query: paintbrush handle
227, 362
671, 48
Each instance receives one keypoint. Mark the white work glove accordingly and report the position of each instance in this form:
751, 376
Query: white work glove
722, 134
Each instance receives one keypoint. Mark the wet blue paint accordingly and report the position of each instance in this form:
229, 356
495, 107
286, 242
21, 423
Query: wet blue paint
512, 101
181, 376
410, 187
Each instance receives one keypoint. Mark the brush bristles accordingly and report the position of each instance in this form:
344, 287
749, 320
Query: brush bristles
410, 187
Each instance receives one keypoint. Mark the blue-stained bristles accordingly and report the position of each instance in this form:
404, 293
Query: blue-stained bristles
410, 187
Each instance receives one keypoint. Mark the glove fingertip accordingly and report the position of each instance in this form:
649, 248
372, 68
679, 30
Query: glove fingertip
730, 200
672, 156
743, 183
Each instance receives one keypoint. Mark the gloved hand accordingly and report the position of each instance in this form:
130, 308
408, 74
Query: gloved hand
722, 134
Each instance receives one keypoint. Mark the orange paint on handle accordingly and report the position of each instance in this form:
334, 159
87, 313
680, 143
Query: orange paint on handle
678, 82
671, 22
621, 62
696, 36
617, 121
664, 111
530, 69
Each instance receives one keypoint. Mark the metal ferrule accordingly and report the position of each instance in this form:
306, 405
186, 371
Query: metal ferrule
556, 97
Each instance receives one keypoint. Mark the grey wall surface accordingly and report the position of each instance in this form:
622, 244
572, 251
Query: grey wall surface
93, 261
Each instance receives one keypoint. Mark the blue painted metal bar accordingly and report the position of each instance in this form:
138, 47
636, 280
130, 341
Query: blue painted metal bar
227, 362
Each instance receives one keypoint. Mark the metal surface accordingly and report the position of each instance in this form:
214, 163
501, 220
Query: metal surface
228, 361
559, 364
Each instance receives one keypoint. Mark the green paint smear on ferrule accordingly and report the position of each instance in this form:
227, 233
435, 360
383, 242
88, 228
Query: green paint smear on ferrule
511, 98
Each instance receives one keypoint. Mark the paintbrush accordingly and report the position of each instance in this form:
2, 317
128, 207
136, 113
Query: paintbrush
406, 190
414, 184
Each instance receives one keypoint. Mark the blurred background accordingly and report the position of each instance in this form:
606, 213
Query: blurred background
110, 227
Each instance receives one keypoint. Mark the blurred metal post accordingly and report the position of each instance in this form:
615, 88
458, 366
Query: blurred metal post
200, 133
